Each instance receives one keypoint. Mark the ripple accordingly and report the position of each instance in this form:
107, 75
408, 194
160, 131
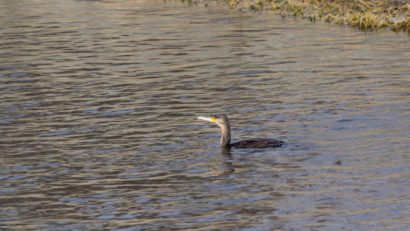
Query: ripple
99, 131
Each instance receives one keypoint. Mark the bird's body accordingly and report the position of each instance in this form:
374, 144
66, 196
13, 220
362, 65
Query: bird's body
257, 143
223, 122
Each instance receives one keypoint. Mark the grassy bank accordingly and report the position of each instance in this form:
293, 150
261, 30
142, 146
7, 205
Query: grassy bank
363, 14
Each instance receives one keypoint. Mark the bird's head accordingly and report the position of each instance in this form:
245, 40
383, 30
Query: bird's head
221, 120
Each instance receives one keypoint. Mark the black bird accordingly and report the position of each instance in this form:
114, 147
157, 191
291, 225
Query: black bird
223, 122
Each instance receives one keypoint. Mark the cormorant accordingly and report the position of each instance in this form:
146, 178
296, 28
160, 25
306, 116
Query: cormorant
223, 122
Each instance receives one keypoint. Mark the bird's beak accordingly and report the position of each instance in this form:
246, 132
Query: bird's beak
210, 119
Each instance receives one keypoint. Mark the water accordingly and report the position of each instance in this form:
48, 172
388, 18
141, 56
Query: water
98, 107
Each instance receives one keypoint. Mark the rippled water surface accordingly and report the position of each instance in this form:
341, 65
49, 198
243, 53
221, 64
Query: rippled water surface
98, 107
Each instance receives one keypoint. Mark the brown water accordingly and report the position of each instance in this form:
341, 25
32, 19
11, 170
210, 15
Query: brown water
98, 107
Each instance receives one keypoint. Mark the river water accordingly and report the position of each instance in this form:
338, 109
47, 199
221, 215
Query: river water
98, 107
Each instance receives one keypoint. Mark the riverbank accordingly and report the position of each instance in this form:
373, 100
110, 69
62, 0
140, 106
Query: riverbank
363, 14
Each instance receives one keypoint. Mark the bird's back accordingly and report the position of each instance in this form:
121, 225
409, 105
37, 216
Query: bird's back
258, 143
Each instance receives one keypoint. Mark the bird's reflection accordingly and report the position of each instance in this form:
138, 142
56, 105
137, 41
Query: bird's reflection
226, 152
227, 160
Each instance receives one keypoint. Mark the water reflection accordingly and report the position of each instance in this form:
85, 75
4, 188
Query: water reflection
98, 131
227, 160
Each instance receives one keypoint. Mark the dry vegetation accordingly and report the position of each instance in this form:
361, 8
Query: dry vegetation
364, 14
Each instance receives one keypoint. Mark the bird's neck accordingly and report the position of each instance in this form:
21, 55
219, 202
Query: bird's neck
226, 135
